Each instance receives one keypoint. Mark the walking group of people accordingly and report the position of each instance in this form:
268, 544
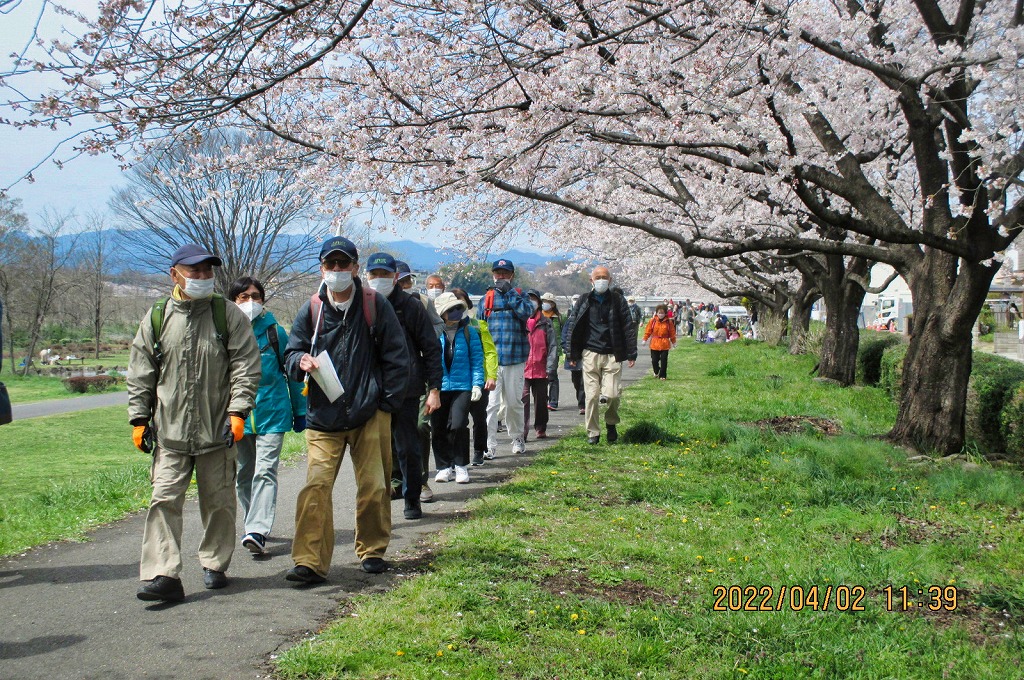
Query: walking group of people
368, 367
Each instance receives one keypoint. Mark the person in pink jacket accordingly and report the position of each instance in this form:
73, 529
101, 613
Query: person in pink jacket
542, 360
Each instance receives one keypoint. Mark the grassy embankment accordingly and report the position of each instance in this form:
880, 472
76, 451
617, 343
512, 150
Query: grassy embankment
604, 561
61, 475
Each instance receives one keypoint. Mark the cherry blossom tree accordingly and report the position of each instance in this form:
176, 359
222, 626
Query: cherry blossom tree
887, 130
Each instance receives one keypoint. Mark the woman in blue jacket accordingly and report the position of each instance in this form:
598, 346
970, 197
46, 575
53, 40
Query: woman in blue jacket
462, 359
280, 407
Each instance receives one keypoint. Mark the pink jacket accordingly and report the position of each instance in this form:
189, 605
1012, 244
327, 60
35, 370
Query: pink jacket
541, 336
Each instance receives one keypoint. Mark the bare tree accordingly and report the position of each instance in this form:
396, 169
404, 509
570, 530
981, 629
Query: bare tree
94, 261
258, 220
12, 223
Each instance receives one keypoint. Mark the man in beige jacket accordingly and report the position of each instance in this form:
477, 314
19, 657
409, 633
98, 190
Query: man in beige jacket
192, 380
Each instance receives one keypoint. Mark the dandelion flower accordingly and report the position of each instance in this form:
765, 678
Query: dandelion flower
581, 631
399, 653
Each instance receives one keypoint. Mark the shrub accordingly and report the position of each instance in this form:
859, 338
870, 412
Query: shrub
993, 382
869, 354
1012, 423
890, 373
81, 384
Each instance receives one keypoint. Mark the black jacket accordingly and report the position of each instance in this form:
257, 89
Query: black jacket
374, 369
421, 342
623, 330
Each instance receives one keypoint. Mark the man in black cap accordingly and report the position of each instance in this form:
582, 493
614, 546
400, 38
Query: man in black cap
192, 380
364, 342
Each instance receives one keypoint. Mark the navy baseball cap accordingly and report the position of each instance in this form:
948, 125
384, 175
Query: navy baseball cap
339, 244
191, 253
403, 269
503, 263
532, 292
381, 261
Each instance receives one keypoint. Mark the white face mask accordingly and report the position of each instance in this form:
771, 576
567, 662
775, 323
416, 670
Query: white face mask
251, 309
432, 293
601, 286
384, 286
198, 289
338, 281
547, 306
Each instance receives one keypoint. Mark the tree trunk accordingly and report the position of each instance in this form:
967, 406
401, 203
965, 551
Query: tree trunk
799, 324
842, 337
933, 394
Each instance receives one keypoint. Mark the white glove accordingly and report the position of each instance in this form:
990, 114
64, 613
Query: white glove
476, 393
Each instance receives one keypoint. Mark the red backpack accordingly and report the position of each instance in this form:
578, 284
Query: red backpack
369, 309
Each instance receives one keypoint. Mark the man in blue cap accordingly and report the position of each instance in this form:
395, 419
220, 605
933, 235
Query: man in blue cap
506, 310
192, 379
363, 340
424, 376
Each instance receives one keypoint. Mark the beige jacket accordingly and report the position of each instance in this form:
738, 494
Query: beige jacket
188, 397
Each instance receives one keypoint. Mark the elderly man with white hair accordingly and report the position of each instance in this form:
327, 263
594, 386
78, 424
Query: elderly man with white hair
601, 335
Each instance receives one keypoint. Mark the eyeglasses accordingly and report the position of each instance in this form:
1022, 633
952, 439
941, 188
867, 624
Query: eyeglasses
334, 264
245, 297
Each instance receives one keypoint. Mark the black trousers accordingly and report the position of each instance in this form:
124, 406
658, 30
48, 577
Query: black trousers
405, 446
478, 409
659, 361
577, 382
537, 388
449, 427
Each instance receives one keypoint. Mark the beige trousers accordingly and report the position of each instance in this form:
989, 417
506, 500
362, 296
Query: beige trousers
601, 375
313, 545
161, 539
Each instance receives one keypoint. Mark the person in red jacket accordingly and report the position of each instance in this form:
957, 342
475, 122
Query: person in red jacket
662, 334
543, 356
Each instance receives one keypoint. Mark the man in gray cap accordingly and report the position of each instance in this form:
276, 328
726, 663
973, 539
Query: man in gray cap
192, 380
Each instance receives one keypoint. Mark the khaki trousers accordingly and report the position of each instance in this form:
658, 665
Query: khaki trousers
370, 444
601, 375
161, 539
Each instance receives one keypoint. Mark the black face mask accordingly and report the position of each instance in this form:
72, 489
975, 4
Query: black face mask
454, 316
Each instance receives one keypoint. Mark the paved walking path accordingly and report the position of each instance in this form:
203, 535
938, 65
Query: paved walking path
52, 407
68, 610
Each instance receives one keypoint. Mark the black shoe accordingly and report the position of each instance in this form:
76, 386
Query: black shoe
255, 543
478, 458
162, 588
613, 434
594, 440
412, 509
374, 565
603, 399
396, 493
303, 574
214, 579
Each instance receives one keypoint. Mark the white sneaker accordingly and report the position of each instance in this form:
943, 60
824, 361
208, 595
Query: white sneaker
461, 475
518, 446
489, 454
444, 475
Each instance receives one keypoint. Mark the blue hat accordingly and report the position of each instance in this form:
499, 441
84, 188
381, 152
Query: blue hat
190, 253
403, 269
534, 292
380, 261
341, 245
503, 263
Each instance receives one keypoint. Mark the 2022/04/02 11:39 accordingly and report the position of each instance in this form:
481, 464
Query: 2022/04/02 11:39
839, 598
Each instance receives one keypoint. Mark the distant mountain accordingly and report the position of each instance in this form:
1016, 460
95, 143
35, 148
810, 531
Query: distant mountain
421, 257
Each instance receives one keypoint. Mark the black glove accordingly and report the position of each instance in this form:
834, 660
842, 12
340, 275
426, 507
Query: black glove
298, 423
503, 286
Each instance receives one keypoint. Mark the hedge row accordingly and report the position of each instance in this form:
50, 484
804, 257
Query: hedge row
869, 354
995, 399
89, 383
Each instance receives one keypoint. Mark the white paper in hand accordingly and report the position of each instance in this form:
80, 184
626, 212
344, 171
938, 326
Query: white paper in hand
327, 377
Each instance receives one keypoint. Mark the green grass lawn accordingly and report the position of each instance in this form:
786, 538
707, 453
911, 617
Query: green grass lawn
26, 389
603, 561
61, 475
